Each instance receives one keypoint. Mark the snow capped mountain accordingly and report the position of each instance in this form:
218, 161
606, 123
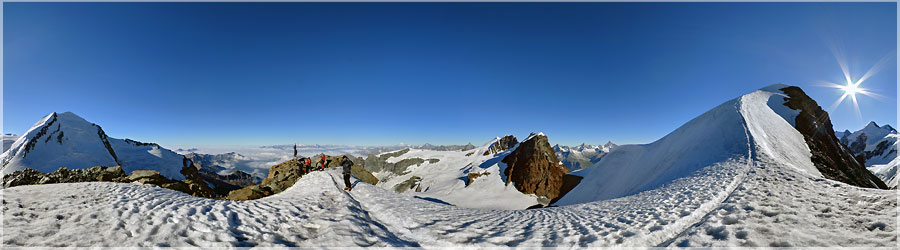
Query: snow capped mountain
878, 146
887, 172
874, 143
67, 140
740, 133
582, 156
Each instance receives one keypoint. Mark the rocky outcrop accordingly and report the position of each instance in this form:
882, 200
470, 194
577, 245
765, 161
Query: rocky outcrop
32, 177
365, 176
223, 184
406, 185
472, 176
501, 145
828, 153
377, 163
283, 175
191, 184
29, 176
534, 169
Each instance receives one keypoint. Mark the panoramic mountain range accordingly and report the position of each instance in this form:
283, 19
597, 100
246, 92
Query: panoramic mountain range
763, 169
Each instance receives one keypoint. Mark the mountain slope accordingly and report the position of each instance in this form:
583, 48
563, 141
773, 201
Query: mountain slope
67, 140
472, 178
871, 141
755, 126
582, 156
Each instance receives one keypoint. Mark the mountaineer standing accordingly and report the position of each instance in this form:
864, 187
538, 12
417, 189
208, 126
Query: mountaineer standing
346, 164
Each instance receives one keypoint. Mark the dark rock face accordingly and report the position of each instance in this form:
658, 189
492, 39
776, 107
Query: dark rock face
859, 145
31, 177
828, 153
501, 145
406, 185
534, 169
375, 163
879, 150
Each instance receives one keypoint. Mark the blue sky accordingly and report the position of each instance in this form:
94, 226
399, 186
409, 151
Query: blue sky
444, 73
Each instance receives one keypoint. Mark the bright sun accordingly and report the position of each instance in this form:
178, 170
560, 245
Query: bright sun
851, 89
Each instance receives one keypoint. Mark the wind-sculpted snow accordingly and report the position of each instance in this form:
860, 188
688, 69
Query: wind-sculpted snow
315, 212
777, 206
731, 203
754, 186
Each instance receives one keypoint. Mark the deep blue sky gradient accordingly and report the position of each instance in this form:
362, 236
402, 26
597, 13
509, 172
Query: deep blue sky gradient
443, 73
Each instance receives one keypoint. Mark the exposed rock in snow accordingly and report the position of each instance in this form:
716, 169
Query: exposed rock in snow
828, 153
534, 169
33, 177
501, 144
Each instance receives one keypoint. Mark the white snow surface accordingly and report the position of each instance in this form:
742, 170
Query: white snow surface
719, 205
735, 131
72, 142
445, 180
746, 188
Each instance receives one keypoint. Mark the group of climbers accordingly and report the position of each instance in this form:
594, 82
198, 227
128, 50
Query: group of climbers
306, 166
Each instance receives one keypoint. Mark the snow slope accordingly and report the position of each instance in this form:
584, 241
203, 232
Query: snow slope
445, 180
873, 140
67, 140
8, 140
582, 156
731, 132
758, 192
315, 212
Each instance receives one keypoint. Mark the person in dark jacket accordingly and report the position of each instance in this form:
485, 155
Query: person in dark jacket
346, 164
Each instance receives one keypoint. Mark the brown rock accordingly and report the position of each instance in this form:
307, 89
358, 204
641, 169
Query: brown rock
829, 155
248, 193
501, 145
534, 169
472, 176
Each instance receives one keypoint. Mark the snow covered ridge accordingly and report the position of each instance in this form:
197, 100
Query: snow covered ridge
755, 126
67, 140
582, 156
875, 144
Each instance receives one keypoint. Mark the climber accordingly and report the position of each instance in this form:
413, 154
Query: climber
307, 165
322, 163
346, 164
